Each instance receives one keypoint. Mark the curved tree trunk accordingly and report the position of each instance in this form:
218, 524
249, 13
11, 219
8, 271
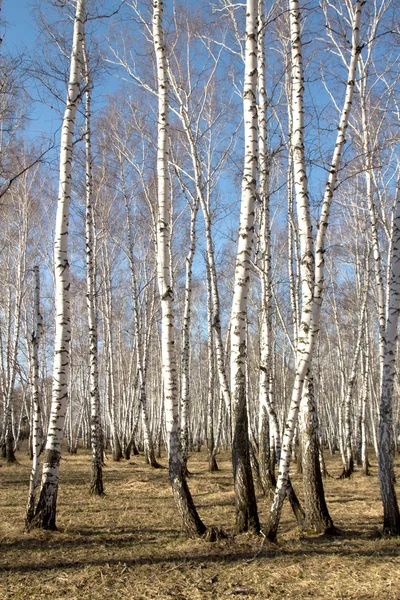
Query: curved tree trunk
311, 267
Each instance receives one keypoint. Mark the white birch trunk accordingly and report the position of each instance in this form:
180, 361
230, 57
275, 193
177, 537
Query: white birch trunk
185, 356
246, 507
35, 416
45, 515
376, 252
265, 383
190, 519
364, 402
349, 455
14, 325
391, 519
311, 270
140, 345
210, 255
96, 483
306, 266
211, 449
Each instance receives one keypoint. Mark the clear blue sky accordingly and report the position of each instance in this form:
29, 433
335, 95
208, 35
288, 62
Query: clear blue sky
20, 31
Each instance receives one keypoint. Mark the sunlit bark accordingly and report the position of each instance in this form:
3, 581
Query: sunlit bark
246, 507
191, 521
45, 515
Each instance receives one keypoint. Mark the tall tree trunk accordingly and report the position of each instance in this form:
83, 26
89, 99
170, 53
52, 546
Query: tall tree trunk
265, 383
391, 517
245, 499
13, 341
307, 265
96, 483
140, 345
191, 521
311, 267
45, 515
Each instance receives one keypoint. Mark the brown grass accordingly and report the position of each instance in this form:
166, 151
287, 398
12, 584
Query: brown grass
128, 545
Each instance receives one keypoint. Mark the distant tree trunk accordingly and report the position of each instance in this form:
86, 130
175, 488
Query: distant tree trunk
185, 353
45, 515
35, 417
140, 345
212, 462
191, 521
364, 402
116, 448
245, 499
349, 454
13, 341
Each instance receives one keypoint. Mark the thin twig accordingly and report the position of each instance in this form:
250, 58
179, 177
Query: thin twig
259, 550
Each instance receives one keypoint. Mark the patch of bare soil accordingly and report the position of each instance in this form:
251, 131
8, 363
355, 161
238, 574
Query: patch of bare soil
128, 545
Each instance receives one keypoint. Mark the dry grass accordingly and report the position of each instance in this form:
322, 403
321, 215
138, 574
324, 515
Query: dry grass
129, 544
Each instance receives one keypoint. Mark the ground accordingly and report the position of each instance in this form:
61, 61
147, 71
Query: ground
128, 545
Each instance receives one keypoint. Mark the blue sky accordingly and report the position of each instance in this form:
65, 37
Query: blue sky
20, 37
20, 32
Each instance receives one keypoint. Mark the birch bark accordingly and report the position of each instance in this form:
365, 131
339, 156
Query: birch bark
311, 267
349, 454
391, 516
185, 356
96, 483
265, 384
45, 515
191, 521
364, 401
140, 346
35, 417
245, 500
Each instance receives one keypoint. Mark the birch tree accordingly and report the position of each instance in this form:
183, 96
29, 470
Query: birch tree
45, 514
245, 500
312, 261
391, 516
35, 422
191, 521
96, 484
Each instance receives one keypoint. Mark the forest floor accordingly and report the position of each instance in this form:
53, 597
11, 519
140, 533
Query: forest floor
129, 545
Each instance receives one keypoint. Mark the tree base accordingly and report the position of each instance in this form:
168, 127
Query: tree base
96, 484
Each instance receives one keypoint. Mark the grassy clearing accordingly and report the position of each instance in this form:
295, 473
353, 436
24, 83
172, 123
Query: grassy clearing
129, 544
